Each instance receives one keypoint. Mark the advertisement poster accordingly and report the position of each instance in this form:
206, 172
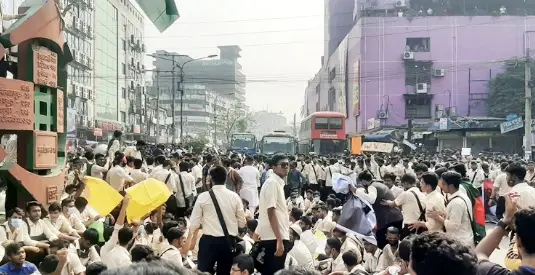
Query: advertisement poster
71, 123
356, 88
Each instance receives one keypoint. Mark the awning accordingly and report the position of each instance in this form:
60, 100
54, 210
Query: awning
381, 135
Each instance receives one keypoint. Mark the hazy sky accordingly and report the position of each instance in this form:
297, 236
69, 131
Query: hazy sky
281, 41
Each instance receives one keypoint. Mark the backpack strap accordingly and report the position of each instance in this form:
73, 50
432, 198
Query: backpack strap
422, 210
473, 178
169, 249
221, 218
183, 190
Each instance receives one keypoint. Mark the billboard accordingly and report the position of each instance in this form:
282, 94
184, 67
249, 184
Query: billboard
356, 88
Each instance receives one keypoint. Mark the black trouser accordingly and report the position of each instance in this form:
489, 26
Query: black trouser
272, 263
500, 207
214, 250
381, 233
405, 232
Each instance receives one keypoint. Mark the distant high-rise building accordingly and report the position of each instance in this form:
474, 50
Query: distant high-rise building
119, 78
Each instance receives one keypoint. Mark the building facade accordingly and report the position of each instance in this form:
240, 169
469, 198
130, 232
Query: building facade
119, 51
79, 16
401, 61
210, 86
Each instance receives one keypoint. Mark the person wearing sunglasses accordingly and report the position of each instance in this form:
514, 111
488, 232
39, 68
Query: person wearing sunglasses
273, 219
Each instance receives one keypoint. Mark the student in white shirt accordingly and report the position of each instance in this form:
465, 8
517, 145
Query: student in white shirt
411, 202
35, 229
73, 265
114, 252
137, 174
299, 250
117, 176
175, 239
500, 189
458, 217
85, 247
96, 165
135, 151
213, 245
519, 187
59, 224
434, 201
273, 220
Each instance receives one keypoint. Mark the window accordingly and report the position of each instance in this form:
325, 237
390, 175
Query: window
318, 89
332, 75
417, 72
123, 94
335, 123
418, 44
124, 68
417, 106
322, 123
123, 117
124, 44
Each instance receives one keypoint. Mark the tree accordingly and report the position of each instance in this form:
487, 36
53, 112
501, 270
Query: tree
233, 120
507, 90
197, 144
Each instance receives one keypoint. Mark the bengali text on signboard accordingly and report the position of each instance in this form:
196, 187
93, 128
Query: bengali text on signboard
16, 105
45, 67
45, 150
377, 147
60, 119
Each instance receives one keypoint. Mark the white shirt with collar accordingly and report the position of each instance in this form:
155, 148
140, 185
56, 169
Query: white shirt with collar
114, 255
92, 254
73, 265
131, 151
409, 204
302, 255
308, 238
161, 174
60, 225
36, 229
117, 176
272, 196
172, 254
189, 185
374, 263
331, 170
6, 234
196, 172
434, 201
526, 194
138, 175
457, 222
97, 170
204, 212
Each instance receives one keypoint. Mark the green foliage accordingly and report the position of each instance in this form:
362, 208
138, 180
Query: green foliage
197, 143
233, 120
507, 90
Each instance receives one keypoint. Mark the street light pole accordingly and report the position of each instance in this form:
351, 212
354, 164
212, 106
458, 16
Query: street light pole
181, 88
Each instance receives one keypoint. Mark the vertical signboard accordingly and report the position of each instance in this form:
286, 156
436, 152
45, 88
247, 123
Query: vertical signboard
356, 88
341, 75
45, 67
60, 115
16, 105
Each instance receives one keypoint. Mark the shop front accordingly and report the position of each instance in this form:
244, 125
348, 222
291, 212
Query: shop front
449, 140
106, 130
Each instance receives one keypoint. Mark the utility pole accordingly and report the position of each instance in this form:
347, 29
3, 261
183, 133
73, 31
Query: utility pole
173, 92
527, 126
157, 107
295, 126
181, 89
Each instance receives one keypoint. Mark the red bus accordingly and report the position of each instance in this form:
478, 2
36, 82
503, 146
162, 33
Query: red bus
323, 133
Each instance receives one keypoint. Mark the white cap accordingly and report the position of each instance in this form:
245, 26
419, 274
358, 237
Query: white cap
296, 228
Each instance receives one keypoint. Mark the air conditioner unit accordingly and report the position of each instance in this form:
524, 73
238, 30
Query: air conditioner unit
90, 63
88, 60
90, 94
439, 107
142, 68
382, 114
90, 124
143, 47
89, 30
421, 88
81, 60
132, 39
91, 4
408, 55
438, 72
439, 114
401, 3
75, 22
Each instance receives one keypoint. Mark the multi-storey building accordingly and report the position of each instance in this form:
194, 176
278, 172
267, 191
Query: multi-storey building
119, 81
415, 59
210, 87
79, 16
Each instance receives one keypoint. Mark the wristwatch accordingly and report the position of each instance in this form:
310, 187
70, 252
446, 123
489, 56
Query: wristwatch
503, 225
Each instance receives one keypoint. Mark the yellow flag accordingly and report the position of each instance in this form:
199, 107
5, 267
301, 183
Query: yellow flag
145, 197
101, 196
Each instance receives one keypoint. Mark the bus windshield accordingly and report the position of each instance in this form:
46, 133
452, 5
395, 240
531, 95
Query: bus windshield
332, 146
271, 145
241, 141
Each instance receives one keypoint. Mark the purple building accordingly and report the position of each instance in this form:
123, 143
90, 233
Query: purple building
387, 70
